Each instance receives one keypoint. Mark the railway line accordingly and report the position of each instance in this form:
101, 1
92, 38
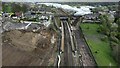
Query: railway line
73, 49
68, 58
67, 55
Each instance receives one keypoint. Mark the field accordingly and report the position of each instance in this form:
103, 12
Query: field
100, 49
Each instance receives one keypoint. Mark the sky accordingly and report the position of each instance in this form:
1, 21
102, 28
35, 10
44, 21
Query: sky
60, 0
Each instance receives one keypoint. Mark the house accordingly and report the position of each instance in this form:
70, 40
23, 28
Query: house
18, 14
30, 14
43, 17
91, 16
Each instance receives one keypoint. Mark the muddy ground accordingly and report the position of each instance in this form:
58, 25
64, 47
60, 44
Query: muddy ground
27, 48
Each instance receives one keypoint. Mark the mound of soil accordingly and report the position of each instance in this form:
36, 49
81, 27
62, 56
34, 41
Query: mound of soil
28, 41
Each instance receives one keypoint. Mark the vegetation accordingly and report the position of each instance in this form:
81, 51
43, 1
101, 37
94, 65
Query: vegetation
113, 7
14, 7
115, 39
31, 19
118, 22
100, 49
90, 3
6, 8
104, 39
105, 8
111, 30
101, 8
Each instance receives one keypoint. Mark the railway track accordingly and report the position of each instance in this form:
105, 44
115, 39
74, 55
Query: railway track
73, 49
68, 55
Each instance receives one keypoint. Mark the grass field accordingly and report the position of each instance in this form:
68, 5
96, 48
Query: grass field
100, 49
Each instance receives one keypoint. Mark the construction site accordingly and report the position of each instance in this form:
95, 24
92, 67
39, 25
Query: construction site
55, 40
29, 48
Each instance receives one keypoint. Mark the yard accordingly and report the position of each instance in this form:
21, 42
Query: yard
100, 49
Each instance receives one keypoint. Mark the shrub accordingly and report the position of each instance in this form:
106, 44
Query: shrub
105, 38
114, 39
116, 53
88, 27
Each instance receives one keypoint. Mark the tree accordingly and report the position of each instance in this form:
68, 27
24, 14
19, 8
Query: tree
6, 7
116, 49
112, 30
116, 53
16, 7
111, 27
24, 8
105, 26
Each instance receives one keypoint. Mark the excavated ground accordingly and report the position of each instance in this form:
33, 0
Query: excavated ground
27, 48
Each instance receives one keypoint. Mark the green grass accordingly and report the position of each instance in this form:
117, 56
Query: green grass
103, 56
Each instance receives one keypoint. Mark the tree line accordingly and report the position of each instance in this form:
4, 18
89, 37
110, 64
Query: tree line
14, 7
111, 29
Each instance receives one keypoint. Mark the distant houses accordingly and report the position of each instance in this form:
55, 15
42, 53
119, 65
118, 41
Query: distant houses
91, 18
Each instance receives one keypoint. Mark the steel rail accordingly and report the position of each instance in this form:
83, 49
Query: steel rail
71, 38
62, 42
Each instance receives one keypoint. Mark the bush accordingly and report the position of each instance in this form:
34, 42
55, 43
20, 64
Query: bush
114, 44
118, 35
30, 19
105, 38
99, 30
112, 38
88, 27
116, 53
104, 30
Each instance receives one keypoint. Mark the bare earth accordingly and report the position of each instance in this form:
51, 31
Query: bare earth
22, 48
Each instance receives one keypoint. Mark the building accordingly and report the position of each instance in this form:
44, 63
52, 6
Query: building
91, 16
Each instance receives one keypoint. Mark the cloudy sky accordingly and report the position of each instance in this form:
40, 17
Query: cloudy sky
60, 0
